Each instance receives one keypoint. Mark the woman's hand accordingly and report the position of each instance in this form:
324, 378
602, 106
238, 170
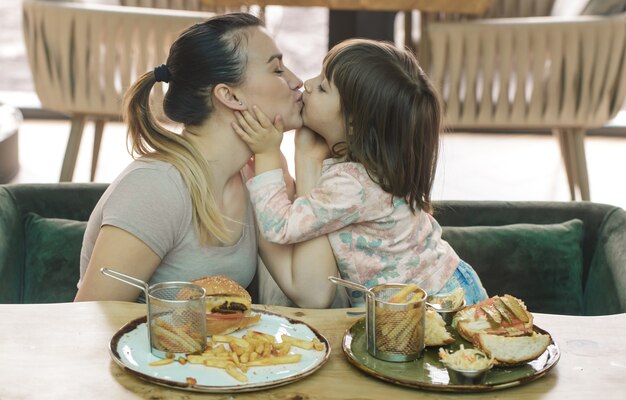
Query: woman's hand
311, 145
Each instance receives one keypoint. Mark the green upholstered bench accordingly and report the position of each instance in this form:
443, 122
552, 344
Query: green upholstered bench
559, 257
563, 258
41, 230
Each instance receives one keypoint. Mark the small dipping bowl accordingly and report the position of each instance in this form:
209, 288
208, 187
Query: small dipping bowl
444, 307
462, 366
467, 377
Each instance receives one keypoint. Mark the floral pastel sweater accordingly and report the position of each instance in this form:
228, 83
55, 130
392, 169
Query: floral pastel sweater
374, 236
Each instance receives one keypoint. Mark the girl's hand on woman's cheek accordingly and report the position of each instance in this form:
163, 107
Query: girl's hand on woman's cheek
310, 144
258, 131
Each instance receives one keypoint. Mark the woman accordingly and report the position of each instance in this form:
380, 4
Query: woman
180, 211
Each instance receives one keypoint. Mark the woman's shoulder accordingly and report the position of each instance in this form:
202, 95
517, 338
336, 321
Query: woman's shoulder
150, 180
152, 172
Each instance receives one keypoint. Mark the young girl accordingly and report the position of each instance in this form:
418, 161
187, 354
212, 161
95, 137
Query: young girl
380, 117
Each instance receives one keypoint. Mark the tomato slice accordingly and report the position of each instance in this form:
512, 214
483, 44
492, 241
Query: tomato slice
225, 316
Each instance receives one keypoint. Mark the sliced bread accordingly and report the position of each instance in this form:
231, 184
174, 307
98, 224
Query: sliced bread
506, 316
513, 350
435, 332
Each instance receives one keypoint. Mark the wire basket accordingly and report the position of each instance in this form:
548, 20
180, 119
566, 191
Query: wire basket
395, 331
176, 318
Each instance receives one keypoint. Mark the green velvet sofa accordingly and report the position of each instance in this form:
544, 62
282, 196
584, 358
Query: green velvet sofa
562, 258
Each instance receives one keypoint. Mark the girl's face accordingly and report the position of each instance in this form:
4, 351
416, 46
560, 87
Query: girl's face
322, 110
268, 83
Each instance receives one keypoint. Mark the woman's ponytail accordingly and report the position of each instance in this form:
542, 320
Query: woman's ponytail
148, 138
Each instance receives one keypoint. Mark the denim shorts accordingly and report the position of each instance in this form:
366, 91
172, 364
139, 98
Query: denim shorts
464, 276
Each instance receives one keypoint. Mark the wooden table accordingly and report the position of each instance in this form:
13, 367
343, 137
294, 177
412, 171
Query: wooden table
460, 6
347, 18
60, 351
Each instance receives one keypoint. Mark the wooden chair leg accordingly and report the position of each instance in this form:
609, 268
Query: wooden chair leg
580, 162
572, 144
97, 139
562, 138
71, 151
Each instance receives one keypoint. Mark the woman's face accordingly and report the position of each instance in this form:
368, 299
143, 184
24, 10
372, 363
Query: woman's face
322, 110
268, 83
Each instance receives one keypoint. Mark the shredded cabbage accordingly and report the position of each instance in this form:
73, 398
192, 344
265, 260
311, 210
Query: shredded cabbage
465, 359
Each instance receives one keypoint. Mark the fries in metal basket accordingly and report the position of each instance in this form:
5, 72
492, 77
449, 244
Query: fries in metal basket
402, 296
174, 339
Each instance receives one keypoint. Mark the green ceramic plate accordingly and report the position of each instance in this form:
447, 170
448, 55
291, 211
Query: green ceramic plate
429, 373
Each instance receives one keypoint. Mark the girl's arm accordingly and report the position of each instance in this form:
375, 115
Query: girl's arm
314, 257
123, 252
335, 203
301, 270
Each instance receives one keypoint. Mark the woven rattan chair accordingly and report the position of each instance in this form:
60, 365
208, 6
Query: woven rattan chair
566, 74
84, 56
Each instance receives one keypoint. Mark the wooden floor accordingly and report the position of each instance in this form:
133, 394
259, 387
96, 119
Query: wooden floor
471, 166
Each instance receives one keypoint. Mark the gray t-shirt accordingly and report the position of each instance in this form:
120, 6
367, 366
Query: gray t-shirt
150, 200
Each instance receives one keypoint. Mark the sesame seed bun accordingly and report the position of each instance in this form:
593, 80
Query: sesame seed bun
222, 286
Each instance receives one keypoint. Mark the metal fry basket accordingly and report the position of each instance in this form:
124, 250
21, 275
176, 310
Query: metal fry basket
176, 318
395, 331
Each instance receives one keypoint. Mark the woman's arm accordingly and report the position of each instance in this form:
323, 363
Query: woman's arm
123, 252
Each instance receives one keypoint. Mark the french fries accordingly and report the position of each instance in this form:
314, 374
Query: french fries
254, 349
230, 340
163, 361
171, 338
402, 296
288, 359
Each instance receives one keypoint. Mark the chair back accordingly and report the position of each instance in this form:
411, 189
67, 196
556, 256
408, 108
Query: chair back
544, 72
84, 56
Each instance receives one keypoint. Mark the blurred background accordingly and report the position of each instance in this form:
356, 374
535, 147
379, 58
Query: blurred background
472, 165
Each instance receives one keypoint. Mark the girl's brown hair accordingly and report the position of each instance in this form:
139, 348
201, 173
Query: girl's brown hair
392, 116
204, 55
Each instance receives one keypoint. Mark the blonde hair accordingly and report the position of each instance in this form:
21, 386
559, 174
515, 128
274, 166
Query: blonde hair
204, 55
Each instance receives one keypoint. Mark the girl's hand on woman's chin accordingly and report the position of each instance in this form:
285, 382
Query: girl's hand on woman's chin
310, 144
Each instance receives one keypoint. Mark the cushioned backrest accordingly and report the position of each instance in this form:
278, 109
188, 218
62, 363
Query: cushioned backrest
493, 213
540, 264
21, 271
58, 200
605, 292
11, 249
52, 259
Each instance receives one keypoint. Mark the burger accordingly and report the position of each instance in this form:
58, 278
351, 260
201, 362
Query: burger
228, 305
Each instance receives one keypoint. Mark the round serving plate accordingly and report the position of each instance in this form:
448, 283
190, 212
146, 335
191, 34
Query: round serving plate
130, 349
429, 373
